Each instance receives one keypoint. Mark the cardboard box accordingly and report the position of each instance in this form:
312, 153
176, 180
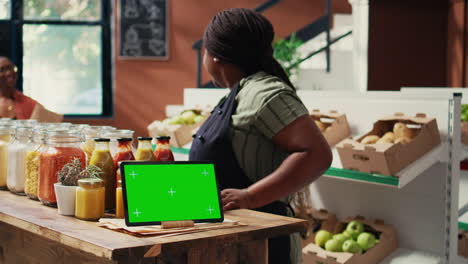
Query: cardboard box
319, 220
387, 244
180, 134
388, 158
463, 243
464, 133
337, 127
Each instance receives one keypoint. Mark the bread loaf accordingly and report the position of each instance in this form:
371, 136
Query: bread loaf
402, 131
371, 139
320, 125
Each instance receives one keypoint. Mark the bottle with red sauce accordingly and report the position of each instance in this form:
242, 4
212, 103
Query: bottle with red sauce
124, 152
163, 149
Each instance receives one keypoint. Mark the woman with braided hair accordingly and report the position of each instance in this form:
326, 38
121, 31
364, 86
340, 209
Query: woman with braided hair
264, 145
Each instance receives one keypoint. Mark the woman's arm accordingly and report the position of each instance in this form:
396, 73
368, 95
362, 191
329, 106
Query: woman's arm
310, 156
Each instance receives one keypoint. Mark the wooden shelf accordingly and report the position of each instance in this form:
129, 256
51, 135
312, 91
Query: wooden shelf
409, 256
400, 180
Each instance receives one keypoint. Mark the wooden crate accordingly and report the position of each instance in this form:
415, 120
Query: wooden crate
387, 244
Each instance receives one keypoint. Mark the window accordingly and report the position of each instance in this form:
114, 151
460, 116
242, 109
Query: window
63, 51
4, 9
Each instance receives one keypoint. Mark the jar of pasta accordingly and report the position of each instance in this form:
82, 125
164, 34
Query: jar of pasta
16, 168
32, 162
5, 137
90, 199
62, 146
90, 133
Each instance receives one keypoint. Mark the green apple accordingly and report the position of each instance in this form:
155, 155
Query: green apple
355, 227
188, 117
322, 237
340, 237
333, 245
166, 121
351, 246
366, 240
198, 119
348, 234
176, 120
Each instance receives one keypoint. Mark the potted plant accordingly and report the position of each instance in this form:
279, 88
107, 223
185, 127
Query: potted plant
65, 188
285, 51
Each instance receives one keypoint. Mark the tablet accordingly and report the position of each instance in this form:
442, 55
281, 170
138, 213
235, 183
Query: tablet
170, 191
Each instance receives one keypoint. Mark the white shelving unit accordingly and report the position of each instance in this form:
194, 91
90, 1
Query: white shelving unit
423, 205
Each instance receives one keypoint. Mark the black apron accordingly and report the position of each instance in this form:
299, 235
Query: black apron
212, 143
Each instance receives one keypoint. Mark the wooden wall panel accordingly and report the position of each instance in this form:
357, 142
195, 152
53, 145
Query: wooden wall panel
456, 39
142, 89
407, 44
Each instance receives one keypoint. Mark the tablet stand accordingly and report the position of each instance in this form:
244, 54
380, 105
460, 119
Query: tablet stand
177, 224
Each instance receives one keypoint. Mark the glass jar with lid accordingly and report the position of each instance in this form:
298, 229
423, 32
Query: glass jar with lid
113, 135
4, 121
25, 123
16, 168
62, 147
90, 197
36, 146
5, 137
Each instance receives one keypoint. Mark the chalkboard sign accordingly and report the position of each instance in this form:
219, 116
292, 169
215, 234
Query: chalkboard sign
144, 29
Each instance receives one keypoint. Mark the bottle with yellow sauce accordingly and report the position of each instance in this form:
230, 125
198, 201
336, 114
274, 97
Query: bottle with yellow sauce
119, 208
90, 132
144, 151
102, 158
90, 198
5, 137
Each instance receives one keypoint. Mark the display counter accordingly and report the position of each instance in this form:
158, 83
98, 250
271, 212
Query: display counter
33, 233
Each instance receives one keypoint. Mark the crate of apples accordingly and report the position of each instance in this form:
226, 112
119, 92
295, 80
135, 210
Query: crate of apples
358, 241
180, 127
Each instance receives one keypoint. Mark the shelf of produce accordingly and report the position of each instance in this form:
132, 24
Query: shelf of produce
402, 178
463, 201
409, 256
180, 154
463, 221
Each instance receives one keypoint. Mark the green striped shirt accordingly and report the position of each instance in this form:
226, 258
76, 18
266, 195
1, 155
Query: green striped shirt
265, 105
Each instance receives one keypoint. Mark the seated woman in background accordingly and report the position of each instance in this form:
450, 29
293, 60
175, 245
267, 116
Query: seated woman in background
13, 103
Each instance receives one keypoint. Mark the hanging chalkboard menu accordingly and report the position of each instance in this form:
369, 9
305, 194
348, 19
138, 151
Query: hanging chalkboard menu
144, 29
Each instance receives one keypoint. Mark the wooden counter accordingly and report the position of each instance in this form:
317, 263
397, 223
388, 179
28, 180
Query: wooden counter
33, 233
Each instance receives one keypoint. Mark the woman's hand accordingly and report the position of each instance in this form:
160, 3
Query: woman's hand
235, 199
7, 107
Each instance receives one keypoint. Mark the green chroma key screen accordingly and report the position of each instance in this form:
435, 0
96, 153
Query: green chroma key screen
155, 192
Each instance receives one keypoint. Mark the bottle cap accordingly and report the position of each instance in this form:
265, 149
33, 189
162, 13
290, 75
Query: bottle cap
124, 139
102, 139
145, 138
91, 183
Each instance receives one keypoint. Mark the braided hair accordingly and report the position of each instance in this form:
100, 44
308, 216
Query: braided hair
243, 37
